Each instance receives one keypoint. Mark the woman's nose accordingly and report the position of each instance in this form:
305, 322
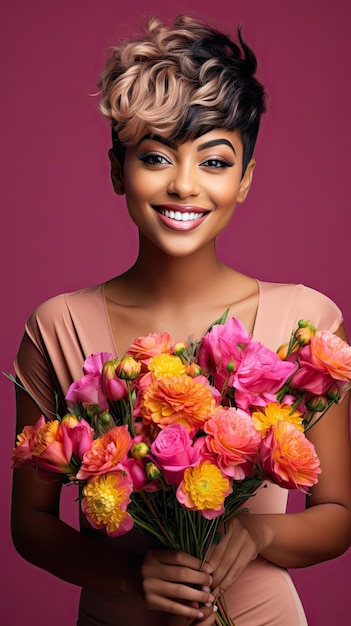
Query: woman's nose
184, 181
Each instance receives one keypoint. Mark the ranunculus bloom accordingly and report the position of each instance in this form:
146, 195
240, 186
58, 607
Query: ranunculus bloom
330, 352
259, 375
221, 346
22, 454
173, 452
325, 360
105, 502
204, 489
274, 412
289, 458
177, 399
144, 348
233, 437
106, 454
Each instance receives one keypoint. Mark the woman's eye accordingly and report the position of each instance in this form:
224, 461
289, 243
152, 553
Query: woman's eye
217, 164
152, 158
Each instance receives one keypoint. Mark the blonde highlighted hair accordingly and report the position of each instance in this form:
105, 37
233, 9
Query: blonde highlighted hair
181, 81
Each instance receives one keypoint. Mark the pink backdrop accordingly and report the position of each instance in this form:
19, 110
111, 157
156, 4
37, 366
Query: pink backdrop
63, 228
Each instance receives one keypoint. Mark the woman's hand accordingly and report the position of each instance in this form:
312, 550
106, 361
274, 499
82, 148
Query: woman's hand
242, 540
172, 582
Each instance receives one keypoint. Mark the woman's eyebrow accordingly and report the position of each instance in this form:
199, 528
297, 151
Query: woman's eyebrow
160, 139
215, 142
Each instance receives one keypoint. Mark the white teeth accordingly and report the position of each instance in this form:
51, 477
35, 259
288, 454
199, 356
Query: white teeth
182, 217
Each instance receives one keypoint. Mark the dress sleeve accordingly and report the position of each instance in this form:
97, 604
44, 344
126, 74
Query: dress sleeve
33, 368
320, 310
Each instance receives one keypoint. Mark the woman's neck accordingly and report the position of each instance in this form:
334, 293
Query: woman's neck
166, 277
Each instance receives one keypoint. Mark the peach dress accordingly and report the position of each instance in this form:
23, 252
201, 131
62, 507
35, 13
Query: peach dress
63, 331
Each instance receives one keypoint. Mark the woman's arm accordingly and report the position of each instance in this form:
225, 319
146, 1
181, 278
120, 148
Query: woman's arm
46, 541
321, 532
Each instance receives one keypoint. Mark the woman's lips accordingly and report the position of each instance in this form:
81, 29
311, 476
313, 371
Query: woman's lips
181, 217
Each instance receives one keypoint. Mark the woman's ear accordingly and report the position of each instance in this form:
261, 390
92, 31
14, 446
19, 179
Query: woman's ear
246, 181
116, 173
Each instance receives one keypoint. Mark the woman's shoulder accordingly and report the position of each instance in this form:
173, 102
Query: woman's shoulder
60, 308
301, 302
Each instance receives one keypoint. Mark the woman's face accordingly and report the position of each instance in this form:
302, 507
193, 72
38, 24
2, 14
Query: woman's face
181, 196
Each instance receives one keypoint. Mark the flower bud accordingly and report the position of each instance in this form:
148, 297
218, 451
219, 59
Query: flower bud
128, 368
193, 370
92, 410
317, 404
334, 394
304, 333
105, 418
109, 369
152, 471
70, 420
282, 351
230, 366
180, 347
139, 450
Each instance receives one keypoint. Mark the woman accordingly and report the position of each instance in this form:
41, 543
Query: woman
185, 109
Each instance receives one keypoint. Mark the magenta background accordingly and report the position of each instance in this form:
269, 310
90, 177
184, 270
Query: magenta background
63, 228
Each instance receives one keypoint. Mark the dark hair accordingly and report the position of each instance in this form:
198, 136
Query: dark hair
184, 80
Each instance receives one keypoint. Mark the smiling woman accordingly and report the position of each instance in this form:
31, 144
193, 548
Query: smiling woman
185, 108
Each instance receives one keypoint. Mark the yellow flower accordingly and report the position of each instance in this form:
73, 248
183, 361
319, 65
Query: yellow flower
166, 365
274, 413
105, 501
205, 486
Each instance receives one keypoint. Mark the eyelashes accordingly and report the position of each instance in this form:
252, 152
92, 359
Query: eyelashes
154, 159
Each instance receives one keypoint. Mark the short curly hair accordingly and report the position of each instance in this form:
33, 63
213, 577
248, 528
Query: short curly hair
182, 81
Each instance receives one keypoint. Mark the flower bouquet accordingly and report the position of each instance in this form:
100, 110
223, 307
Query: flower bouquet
174, 439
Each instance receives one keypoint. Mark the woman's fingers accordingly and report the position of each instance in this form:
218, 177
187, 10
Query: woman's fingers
173, 582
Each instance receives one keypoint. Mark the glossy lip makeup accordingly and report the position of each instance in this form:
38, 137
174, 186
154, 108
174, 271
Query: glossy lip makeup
180, 217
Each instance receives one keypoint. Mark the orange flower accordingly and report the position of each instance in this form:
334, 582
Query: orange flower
289, 457
144, 348
331, 354
177, 399
106, 454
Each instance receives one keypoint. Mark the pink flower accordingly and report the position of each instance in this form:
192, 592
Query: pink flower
106, 454
146, 347
259, 375
289, 458
173, 452
137, 472
94, 363
221, 346
88, 390
233, 437
81, 437
113, 387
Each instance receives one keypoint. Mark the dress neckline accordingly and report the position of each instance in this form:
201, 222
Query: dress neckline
109, 325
